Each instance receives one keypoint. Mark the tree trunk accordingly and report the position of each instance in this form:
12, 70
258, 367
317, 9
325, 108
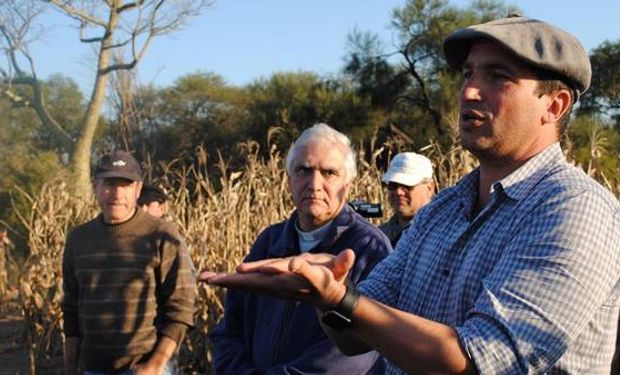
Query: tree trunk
80, 164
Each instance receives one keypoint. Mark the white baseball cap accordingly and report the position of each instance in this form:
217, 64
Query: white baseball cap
409, 169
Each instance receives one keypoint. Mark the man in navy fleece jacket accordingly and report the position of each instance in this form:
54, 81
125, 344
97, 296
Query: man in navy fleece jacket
264, 335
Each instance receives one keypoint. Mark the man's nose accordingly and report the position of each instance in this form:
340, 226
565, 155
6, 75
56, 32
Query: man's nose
400, 190
470, 90
316, 180
115, 190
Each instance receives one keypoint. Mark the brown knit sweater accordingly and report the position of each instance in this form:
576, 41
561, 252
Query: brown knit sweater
125, 285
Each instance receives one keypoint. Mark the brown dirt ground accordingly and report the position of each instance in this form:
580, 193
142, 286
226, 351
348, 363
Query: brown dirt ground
13, 354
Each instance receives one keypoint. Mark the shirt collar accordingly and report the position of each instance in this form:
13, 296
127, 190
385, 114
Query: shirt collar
467, 191
313, 235
287, 242
522, 181
516, 185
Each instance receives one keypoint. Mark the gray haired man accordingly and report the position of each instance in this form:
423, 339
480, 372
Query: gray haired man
264, 335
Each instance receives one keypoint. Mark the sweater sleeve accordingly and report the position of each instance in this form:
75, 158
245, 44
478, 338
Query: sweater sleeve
176, 294
71, 292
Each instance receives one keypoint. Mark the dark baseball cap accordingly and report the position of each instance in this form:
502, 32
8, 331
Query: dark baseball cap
151, 193
119, 164
537, 43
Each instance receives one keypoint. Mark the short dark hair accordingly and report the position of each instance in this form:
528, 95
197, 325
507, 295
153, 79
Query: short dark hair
548, 83
151, 193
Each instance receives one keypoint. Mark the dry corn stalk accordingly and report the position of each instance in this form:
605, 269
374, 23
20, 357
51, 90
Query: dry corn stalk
219, 218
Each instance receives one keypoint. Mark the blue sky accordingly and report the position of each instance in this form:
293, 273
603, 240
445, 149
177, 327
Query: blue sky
243, 40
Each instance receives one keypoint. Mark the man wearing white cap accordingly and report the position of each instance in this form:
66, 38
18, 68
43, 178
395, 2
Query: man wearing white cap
410, 186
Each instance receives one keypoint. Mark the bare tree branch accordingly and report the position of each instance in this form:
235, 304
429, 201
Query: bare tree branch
79, 14
126, 30
16, 21
425, 100
83, 37
129, 6
10, 50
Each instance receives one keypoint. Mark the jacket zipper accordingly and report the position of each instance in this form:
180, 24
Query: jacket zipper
284, 328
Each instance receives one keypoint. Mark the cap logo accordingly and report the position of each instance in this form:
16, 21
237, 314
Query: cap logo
119, 163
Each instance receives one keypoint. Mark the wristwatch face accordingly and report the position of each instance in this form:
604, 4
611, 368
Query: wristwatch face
335, 320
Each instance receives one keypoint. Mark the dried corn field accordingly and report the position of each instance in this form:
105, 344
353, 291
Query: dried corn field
219, 218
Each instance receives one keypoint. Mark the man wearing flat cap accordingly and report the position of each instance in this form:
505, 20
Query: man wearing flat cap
515, 269
128, 288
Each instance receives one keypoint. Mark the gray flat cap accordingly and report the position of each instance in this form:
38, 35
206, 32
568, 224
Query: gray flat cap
536, 42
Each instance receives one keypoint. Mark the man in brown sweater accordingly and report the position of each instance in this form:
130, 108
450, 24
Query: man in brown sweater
129, 291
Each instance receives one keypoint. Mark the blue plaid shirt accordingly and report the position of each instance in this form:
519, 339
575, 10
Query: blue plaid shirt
530, 283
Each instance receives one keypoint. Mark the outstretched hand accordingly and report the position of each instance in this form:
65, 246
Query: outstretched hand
317, 278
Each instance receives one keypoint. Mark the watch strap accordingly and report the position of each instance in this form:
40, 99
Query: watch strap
348, 303
340, 317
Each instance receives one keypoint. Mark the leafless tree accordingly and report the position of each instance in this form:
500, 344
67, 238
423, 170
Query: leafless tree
119, 28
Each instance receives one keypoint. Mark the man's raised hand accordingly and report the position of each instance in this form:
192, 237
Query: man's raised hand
317, 278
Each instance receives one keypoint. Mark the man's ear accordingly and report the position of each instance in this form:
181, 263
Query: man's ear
347, 188
558, 106
431, 187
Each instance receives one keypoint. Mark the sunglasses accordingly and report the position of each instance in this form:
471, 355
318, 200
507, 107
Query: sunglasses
394, 186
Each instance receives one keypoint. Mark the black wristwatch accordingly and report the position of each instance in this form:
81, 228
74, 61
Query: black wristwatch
341, 315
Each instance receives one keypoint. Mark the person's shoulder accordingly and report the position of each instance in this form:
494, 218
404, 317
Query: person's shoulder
276, 228
389, 223
159, 223
159, 226
568, 181
272, 231
149, 226
85, 228
360, 228
359, 223
273, 239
